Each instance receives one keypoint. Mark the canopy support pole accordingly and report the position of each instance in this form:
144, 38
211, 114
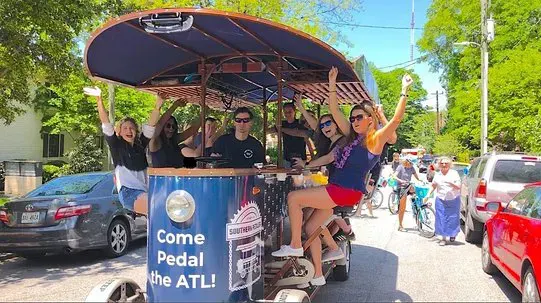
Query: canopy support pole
265, 120
279, 115
203, 113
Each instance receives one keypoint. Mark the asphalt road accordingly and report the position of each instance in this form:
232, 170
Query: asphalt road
387, 265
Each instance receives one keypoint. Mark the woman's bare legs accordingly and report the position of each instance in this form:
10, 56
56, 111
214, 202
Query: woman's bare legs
141, 204
401, 210
316, 220
317, 198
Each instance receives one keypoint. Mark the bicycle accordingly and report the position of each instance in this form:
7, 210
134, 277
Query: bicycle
424, 214
376, 196
393, 201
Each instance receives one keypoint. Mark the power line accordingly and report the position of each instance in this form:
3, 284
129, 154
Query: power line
372, 26
403, 63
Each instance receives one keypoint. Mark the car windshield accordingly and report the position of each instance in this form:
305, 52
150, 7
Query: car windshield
68, 185
517, 171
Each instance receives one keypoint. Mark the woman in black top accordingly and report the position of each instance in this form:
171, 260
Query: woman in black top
128, 152
164, 147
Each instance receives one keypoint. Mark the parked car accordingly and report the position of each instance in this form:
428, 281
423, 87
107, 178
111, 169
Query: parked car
424, 162
462, 168
69, 214
493, 177
511, 241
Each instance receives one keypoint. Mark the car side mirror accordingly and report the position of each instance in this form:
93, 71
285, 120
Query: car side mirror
494, 207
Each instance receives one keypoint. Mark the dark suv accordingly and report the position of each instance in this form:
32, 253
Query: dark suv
493, 178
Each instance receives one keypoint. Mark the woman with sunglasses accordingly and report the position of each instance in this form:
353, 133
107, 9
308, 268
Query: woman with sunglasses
352, 160
164, 147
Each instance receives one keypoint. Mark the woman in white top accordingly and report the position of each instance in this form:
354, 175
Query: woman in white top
127, 146
446, 183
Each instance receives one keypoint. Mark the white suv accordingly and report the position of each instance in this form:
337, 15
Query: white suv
493, 178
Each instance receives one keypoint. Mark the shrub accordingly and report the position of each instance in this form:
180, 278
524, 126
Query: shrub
86, 156
50, 172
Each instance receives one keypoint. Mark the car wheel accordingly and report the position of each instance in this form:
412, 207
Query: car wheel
471, 235
118, 239
32, 256
486, 258
530, 291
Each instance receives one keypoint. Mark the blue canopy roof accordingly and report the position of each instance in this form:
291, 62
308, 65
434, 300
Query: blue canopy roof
244, 55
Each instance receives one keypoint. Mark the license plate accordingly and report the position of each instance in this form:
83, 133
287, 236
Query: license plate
29, 218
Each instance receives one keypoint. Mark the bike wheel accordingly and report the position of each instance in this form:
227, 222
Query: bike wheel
393, 203
377, 198
427, 222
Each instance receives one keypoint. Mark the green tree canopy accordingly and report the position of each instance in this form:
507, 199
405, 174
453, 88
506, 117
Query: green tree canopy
514, 70
389, 87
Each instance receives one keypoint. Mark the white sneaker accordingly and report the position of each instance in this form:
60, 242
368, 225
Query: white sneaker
288, 251
318, 281
332, 255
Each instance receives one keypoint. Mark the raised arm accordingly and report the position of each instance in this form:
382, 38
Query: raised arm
384, 121
155, 142
337, 114
96, 92
385, 133
155, 114
165, 117
220, 131
309, 118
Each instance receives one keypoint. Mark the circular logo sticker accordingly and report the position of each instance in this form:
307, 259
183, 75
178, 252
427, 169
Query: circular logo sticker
248, 154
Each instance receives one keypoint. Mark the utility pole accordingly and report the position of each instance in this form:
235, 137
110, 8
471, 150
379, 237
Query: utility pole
111, 94
484, 77
412, 30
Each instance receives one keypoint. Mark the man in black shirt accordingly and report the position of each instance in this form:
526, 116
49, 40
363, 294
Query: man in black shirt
294, 147
240, 148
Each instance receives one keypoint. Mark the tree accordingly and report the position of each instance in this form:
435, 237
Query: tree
514, 71
447, 145
423, 131
38, 42
66, 109
389, 87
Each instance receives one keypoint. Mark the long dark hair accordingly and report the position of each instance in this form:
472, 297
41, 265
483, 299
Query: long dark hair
367, 107
175, 140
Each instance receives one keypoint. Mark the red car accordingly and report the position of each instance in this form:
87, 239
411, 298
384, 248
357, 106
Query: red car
512, 241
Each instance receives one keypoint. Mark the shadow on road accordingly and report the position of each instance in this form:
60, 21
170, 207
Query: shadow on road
507, 288
58, 268
373, 278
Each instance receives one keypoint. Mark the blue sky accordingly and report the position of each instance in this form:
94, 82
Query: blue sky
386, 47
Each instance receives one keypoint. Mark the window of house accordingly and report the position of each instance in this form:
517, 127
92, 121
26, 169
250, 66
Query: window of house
53, 145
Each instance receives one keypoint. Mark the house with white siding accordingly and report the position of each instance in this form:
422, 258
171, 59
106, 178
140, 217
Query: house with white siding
24, 140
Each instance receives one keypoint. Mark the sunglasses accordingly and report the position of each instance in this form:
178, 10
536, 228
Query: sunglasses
170, 125
242, 120
357, 118
325, 124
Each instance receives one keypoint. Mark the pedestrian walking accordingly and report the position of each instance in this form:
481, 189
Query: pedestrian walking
446, 183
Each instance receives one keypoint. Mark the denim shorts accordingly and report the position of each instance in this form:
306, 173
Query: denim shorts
127, 196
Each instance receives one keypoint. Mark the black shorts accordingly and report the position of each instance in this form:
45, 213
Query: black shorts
402, 190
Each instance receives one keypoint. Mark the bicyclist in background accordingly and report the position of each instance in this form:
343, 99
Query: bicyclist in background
403, 175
